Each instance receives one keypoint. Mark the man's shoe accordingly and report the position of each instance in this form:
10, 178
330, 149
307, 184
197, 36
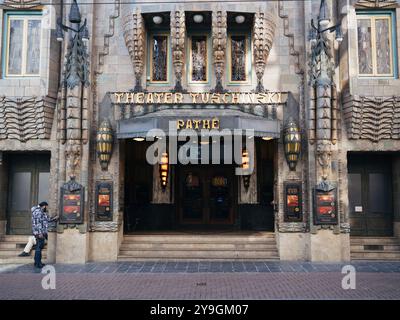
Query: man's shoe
23, 254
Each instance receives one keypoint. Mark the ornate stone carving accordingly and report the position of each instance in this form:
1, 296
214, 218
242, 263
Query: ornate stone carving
21, 4
111, 30
111, 226
73, 157
178, 46
219, 40
345, 228
323, 106
376, 4
264, 31
290, 36
372, 118
134, 35
24, 119
292, 227
324, 154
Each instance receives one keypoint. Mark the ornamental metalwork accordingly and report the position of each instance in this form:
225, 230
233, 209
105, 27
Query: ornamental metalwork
159, 55
238, 58
77, 58
199, 58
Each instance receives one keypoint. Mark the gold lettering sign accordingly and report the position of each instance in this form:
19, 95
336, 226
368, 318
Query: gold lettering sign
199, 98
198, 124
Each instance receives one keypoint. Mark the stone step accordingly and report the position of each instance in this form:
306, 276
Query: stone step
199, 254
19, 260
14, 238
196, 246
11, 245
198, 239
14, 253
375, 255
386, 247
374, 240
155, 259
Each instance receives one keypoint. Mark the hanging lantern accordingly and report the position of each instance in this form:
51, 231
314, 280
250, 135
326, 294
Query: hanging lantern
104, 141
164, 170
292, 144
246, 167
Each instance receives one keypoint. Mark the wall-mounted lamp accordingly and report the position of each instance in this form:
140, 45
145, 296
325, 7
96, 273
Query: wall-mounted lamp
104, 142
246, 167
157, 19
323, 17
164, 170
316, 32
74, 18
292, 144
139, 139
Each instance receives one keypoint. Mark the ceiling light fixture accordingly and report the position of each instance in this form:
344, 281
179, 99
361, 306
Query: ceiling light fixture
198, 18
157, 19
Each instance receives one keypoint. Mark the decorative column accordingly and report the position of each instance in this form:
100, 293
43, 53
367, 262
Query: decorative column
327, 244
219, 37
135, 39
178, 31
263, 33
72, 243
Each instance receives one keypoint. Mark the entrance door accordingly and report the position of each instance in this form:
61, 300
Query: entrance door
370, 195
28, 185
206, 195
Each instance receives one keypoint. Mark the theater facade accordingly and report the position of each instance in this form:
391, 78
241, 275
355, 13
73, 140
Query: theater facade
202, 130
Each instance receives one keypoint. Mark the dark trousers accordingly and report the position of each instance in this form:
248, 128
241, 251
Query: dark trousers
38, 251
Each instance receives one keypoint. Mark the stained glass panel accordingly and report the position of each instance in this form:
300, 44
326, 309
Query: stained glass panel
15, 47
364, 46
159, 58
383, 50
199, 58
33, 47
238, 58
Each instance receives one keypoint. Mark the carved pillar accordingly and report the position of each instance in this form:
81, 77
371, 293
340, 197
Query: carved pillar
134, 35
178, 46
263, 31
219, 37
323, 106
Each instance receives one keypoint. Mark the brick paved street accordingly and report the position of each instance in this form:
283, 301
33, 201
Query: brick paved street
203, 280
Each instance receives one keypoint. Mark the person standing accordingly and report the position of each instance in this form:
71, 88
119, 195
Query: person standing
40, 222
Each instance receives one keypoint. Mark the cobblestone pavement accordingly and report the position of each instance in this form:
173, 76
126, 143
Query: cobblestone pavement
203, 280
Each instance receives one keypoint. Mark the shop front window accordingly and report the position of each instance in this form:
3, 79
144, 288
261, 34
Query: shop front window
22, 50
376, 45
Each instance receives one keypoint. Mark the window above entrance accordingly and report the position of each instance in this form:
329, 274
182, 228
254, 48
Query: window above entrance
190, 47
